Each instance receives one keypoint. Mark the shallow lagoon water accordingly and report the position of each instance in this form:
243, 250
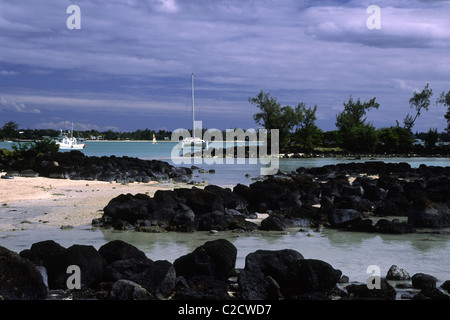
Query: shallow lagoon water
351, 252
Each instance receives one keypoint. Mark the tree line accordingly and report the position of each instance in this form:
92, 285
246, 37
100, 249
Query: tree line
10, 131
297, 127
353, 132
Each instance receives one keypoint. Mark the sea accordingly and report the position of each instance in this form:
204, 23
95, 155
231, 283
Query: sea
354, 253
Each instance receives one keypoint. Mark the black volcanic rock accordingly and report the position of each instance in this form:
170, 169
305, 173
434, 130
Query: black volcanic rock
19, 278
215, 258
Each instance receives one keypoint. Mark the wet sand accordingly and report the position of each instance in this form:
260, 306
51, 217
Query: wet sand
35, 202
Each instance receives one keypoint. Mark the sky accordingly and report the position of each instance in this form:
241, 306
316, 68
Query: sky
129, 64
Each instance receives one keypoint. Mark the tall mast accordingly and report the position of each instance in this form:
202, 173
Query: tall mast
193, 119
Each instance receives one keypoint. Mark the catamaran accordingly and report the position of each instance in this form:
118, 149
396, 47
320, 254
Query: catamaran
193, 142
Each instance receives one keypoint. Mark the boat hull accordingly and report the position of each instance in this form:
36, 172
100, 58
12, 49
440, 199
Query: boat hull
74, 147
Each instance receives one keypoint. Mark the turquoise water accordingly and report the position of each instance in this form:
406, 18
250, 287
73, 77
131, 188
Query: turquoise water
351, 252
238, 171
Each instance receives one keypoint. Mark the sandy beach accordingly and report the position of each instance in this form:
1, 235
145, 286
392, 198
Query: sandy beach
38, 202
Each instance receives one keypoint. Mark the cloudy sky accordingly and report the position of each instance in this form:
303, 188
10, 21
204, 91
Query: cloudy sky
129, 65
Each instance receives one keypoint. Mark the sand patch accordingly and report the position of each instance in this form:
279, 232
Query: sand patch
36, 202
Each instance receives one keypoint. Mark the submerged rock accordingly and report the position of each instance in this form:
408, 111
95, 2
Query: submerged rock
423, 281
397, 273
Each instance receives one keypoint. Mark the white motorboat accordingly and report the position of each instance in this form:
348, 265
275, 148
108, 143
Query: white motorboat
67, 141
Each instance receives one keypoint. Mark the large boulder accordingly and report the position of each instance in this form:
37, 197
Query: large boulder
19, 278
280, 195
274, 222
257, 286
362, 292
414, 190
168, 199
431, 294
339, 218
388, 207
423, 281
446, 285
41, 251
275, 263
120, 250
202, 287
125, 269
215, 258
246, 193
397, 273
230, 199
353, 202
183, 220
294, 274
158, 279
220, 221
393, 227
124, 260
370, 189
425, 214
201, 201
128, 207
312, 275
129, 290
87, 258
438, 188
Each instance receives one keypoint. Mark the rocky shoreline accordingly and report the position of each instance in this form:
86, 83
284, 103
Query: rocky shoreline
120, 271
75, 165
299, 153
344, 196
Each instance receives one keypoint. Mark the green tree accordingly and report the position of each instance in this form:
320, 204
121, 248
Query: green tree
362, 138
307, 133
388, 139
111, 135
431, 138
419, 101
39, 147
356, 135
405, 138
444, 99
394, 139
9, 130
273, 116
331, 138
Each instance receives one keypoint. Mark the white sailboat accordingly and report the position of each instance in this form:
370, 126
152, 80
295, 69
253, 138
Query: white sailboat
154, 139
67, 141
194, 142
